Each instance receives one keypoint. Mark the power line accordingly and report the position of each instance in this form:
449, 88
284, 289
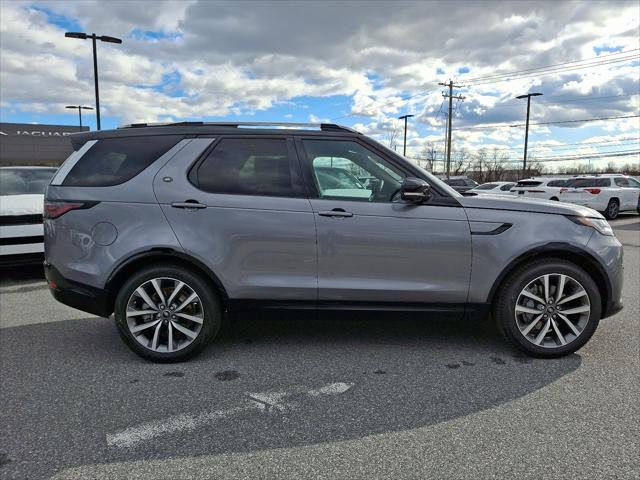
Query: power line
551, 72
484, 80
584, 120
560, 147
597, 57
570, 100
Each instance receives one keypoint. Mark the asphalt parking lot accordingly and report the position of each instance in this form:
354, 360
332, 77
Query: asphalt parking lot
299, 395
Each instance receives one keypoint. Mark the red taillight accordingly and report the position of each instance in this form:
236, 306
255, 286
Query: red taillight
593, 191
562, 190
59, 208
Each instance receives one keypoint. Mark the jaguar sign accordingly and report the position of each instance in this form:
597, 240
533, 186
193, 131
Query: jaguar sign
29, 144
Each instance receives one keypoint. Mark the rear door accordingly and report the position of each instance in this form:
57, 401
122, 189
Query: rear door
373, 247
240, 208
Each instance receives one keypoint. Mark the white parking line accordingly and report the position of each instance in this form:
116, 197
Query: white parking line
266, 402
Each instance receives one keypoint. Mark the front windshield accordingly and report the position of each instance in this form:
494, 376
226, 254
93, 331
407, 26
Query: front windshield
24, 181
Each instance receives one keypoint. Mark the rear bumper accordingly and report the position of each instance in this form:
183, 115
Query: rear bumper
77, 295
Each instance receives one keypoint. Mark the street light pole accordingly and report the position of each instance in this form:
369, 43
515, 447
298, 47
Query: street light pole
526, 131
94, 37
80, 108
404, 117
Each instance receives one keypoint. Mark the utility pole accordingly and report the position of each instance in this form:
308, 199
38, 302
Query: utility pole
404, 117
450, 96
526, 131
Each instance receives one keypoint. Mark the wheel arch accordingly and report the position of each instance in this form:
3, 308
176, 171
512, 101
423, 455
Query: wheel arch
561, 251
155, 256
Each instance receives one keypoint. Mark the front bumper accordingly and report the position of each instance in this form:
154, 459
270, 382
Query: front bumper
77, 295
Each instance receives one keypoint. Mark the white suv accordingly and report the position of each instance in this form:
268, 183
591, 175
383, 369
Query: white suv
609, 194
546, 188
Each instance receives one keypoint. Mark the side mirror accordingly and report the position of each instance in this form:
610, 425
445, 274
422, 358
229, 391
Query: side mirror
415, 190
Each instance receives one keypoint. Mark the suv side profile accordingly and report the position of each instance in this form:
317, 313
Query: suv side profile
541, 187
169, 226
609, 194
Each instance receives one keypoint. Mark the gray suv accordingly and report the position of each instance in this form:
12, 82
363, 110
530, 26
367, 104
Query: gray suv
169, 226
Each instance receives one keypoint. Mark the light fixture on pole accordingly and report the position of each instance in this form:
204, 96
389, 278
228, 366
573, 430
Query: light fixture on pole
94, 37
526, 131
404, 117
80, 108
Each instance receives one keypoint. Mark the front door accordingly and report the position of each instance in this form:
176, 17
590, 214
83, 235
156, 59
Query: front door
372, 246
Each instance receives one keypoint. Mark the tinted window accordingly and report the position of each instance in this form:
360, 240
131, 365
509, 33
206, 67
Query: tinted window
487, 186
528, 183
456, 183
470, 183
621, 181
346, 169
24, 181
588, 182
557, 183
112, 161
506, 187
247, 167
633, 183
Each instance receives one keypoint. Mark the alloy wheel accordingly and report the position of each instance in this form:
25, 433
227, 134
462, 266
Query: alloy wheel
612, 211
164, 314
553, 310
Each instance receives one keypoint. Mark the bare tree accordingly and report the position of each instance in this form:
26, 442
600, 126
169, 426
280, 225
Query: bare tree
391, 136
460, 162
429, 155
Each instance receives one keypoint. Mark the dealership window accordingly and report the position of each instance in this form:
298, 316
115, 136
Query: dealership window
112, 161
247, 167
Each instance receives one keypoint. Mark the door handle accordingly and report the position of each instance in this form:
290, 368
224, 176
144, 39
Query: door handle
189, 205
336, 212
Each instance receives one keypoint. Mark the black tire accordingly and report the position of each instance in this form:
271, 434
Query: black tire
505, 302
555, 199
208, 297
613, 209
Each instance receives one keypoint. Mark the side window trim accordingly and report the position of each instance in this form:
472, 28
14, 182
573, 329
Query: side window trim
294, 167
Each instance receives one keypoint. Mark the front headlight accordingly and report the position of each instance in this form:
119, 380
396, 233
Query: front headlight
600, 224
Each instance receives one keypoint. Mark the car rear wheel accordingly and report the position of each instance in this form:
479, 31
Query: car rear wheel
548, 308
613, 209
555, 199
167, 313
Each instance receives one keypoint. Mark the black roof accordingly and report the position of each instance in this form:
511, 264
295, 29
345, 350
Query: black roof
212, 128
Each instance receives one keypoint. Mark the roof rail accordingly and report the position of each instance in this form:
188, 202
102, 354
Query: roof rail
326, 127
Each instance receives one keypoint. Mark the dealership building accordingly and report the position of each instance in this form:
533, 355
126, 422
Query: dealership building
32, 144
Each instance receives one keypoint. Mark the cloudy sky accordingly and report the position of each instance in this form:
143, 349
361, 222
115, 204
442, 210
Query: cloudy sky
361, 64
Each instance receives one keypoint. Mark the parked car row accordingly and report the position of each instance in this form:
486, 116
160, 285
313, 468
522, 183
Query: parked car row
21, 203
609, 194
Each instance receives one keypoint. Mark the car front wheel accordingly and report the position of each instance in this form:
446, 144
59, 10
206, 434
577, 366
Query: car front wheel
548, 308
167, 314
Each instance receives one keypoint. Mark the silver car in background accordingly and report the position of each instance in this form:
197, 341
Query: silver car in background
169, 226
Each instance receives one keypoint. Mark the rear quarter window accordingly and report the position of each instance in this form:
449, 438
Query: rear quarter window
557, 183
112, 161
528, 183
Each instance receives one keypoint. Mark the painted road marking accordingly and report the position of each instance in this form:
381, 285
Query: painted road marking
266, 402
